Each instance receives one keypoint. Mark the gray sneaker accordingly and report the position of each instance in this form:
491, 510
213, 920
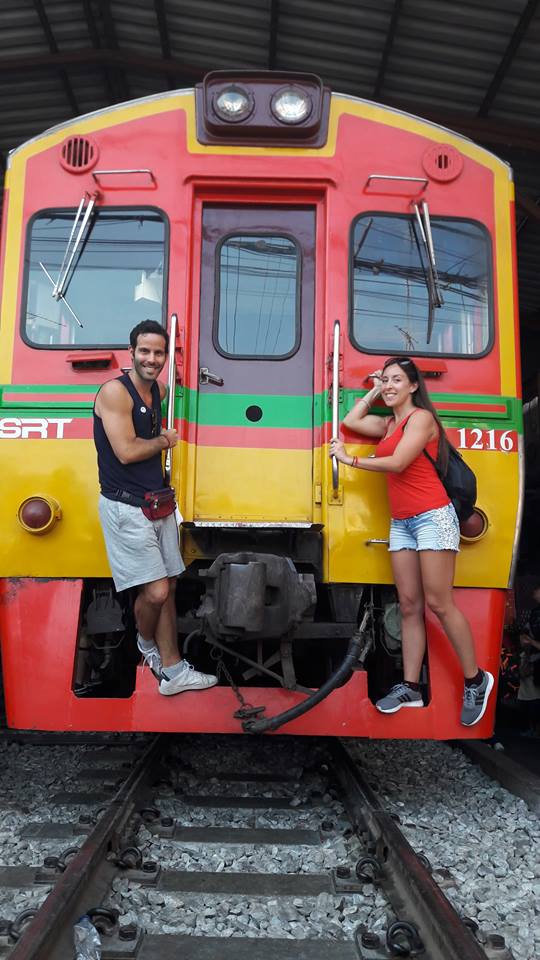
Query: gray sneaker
400, 696
475, 700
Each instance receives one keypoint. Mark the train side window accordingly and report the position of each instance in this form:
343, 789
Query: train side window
390, 301
117, 278
258, 297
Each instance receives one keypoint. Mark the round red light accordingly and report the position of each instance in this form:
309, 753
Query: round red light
36, 513
474, 526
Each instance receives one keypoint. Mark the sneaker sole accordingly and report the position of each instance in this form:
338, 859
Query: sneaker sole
193, 686
414, 703
489, 688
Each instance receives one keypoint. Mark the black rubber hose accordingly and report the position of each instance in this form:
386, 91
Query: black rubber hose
343, 672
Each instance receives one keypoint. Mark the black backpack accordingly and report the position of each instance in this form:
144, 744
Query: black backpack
459, 482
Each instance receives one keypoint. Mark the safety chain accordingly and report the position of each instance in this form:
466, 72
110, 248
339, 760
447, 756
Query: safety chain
246, 710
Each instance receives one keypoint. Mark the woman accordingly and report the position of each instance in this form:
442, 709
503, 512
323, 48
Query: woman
424, 532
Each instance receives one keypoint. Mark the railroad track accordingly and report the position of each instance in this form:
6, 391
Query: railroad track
302, 804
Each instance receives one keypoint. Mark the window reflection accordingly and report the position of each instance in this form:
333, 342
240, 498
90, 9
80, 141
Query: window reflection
117, 279
258, 296
390, 292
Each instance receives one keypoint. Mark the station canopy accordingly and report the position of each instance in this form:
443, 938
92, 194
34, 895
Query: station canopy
470, 65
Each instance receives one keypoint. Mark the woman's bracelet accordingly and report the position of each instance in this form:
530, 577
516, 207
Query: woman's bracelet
354, 462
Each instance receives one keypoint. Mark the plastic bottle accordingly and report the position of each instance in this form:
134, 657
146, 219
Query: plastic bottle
87, 940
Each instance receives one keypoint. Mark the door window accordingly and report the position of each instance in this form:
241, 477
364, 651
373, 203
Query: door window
257, 303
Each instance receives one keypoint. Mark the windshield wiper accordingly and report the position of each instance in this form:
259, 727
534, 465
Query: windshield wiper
432, 277
61, 297
72, 245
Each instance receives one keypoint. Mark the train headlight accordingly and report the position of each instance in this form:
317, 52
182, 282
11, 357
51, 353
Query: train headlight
38, 514
233, 104
291, 105
474, 527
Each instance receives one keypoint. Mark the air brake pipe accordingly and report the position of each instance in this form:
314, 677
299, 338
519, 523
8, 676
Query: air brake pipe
343, 673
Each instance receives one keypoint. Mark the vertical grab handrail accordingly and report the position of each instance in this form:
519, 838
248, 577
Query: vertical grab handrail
335, 404
171, 382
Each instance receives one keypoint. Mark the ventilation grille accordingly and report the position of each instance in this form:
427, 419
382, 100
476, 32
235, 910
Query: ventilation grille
442, 162
78, 154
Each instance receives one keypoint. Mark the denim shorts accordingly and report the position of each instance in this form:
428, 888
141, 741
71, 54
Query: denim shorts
433, 530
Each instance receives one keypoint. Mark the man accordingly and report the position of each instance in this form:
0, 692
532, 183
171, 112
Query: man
142, 552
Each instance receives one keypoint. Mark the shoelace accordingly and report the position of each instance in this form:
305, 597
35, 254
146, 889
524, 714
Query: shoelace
401, 688
151, 659
470, 696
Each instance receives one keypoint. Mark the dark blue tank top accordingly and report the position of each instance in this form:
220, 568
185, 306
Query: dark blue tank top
132, 478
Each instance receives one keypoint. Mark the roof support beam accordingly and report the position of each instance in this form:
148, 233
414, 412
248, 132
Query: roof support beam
482, 130
118, 77
521, 28
53, 47
88, 57
388, 44
272, 41
161, 16
529, 207
96, 43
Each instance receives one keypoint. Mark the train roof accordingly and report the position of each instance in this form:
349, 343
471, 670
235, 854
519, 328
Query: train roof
336, 95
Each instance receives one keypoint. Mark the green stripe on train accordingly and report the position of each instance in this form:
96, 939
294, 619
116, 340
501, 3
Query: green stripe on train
279, 411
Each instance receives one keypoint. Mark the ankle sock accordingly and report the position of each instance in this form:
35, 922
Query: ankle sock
145, 645
173, 670
476, 680
413, 686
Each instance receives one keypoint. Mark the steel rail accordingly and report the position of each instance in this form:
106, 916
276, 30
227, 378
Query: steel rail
87, 877
405, 880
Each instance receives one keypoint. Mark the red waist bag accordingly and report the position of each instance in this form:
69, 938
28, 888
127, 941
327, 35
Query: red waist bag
159, 503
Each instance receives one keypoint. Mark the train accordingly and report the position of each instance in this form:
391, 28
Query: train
289, 238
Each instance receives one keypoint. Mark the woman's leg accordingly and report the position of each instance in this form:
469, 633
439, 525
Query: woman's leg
437, 571
408, 580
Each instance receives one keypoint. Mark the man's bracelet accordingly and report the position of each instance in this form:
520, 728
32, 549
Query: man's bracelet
168, 441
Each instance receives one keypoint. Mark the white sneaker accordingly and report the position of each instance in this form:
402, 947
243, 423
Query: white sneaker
151, 657
187, 679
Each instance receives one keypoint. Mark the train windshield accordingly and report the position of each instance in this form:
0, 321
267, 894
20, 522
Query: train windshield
393, 309
117, 278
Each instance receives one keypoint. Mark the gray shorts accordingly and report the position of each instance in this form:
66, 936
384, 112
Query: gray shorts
139, 550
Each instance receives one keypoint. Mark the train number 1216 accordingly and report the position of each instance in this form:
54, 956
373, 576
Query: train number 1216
476, 439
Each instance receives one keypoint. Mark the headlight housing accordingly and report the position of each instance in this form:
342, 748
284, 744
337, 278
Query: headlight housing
291, 104
233, 104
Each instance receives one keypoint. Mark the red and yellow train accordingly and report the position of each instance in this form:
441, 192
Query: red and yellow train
290, 238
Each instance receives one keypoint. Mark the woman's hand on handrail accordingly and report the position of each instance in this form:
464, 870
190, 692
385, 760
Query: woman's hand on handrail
359, 420
337, 450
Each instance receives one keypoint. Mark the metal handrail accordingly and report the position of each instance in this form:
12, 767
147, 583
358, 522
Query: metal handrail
101, 173
335, 404
171, 382
385, 176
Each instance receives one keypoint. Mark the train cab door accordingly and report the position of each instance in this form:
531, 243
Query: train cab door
254, 451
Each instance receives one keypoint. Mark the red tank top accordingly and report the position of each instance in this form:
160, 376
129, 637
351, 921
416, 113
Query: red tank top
418, 487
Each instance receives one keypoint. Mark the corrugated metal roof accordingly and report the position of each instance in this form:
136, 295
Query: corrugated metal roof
470, 65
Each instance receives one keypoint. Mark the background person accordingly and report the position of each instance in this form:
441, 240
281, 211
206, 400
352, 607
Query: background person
142, 552
424, 531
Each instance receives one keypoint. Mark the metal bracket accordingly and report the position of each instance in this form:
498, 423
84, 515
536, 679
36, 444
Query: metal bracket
335, 497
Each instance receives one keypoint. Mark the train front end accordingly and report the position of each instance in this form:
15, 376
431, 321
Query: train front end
290, 240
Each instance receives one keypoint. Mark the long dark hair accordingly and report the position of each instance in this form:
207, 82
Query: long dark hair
420, 398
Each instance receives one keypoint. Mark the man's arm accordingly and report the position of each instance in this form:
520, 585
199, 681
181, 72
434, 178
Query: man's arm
114, 405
